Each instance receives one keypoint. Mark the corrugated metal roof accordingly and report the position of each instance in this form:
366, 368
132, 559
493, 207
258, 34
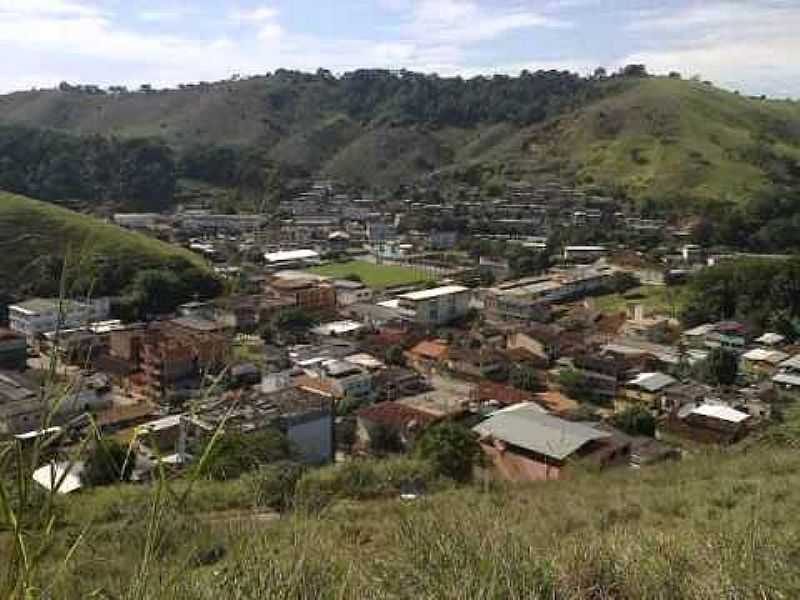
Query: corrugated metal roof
721, 412
529, 428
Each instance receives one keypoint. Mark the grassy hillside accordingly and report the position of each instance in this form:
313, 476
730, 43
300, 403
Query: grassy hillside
715, 526
674, 140
658, 138
36, 238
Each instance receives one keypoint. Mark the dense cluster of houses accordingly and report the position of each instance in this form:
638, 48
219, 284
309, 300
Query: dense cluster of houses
529, 364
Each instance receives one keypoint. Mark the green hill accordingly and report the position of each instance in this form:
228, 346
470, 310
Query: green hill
675, 141
715, 526
37, 239
655, 138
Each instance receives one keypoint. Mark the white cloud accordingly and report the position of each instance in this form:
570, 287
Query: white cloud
747, 45
46, 7
162, 16
468, 22
255, 15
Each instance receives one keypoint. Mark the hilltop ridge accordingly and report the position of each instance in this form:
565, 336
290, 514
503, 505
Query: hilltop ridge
646, 138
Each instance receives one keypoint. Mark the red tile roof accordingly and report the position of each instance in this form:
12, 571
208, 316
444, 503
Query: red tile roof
395, 414
430, 349
504, 394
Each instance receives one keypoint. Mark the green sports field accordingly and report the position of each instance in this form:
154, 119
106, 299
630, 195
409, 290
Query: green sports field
373, 276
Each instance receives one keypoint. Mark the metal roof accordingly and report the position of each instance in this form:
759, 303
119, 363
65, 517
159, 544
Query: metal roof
652, 382
529, 428
290, 255
721, 412
434, 293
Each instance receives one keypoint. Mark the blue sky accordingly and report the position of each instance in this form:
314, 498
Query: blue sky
750, 45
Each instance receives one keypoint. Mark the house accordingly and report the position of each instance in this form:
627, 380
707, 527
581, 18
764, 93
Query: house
393, 383
351, 292
404, 422
696, 336
602, 375
787, 379
678, 395
477, 363
13, 350
21, 407
583, 254
427, 356
645, 389
291, 258
771, 340
760, 363
338, 329
646, 451
24, 407
503, 307
33, 318
729, 335
712, 423
306, 293
437, 306
524, 443
345, 380
544, 341
175, 354
304, 416
338, 241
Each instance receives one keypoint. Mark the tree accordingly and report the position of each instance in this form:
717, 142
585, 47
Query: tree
722, 367
384, 439
572, 382
108, 462
525, 378
395, 356
634, 71
452, 449
234, 454
156, 291
636, 420
293, 319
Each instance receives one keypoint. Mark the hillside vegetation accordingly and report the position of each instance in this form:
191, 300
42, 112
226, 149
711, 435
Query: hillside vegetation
676, 141
38, 240
659, 139
715, 526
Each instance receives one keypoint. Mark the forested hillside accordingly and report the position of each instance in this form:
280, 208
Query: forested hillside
663, 140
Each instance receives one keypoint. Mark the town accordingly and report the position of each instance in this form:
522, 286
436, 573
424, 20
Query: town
352, 325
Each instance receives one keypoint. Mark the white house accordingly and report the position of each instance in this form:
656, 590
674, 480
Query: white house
38, 316
438, 305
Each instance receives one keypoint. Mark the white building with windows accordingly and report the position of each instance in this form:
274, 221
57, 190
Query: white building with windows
436, 306
33, 318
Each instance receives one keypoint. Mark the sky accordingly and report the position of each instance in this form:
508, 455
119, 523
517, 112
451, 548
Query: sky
747, 45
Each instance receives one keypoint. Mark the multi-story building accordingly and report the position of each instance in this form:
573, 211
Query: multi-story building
436, 306
309, 294
33, 318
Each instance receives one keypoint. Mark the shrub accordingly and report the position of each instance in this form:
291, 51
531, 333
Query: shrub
452, 449
273, 486
361, 480
108, 462
234, 454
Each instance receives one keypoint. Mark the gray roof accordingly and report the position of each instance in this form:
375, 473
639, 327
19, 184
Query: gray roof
529, 428
652, 382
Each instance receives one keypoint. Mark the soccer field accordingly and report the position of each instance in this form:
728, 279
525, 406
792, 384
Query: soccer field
373, 276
